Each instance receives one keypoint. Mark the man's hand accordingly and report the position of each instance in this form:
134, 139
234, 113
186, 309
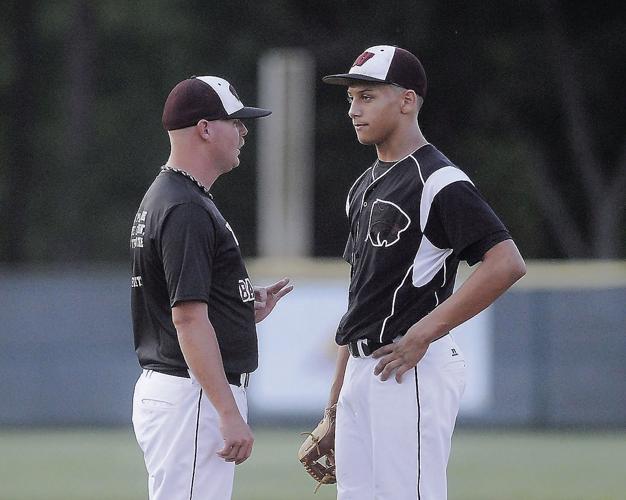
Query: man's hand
238, 439
266, 298
401, 356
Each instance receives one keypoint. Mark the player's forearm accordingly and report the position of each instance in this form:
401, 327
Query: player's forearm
340, 371
502, 266
199, 346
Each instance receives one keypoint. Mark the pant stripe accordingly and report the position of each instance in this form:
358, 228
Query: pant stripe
419, 447
195, 447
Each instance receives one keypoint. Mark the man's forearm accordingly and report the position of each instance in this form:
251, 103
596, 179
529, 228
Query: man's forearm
502, 266
340, 371
201, 351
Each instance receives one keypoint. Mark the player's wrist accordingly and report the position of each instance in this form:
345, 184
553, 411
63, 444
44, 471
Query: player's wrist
229, 413
334, 393
424, 332
228, 410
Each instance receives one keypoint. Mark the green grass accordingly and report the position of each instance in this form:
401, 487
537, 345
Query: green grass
107, 465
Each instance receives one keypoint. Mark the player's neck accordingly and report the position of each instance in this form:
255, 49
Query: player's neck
193, 164
401, 144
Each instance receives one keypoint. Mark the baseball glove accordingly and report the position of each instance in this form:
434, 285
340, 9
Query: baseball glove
317, 453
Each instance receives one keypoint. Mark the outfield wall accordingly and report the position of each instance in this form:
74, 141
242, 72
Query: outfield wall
549, 353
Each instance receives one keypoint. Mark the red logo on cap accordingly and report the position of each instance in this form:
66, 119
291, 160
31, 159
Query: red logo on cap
364, 57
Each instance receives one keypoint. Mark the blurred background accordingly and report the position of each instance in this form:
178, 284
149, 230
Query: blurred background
527, 97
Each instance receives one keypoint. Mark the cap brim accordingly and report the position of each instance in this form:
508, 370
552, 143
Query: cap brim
348, 79
247, 112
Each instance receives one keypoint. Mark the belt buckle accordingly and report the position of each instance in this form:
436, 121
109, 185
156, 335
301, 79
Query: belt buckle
357, 348
361, 345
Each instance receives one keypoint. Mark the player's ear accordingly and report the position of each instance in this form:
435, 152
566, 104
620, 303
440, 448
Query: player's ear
203, 127
411, 102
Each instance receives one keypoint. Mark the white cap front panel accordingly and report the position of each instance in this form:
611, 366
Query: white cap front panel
374, 62
223, 89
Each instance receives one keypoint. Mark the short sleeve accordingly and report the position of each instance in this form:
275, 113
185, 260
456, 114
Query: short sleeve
463, 221
187, 247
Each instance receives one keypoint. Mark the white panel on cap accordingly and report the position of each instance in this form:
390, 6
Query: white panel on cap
222, 88
376, 66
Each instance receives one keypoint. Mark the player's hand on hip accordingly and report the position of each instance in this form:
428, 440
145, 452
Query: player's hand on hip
266, 298
400, 357
238, 439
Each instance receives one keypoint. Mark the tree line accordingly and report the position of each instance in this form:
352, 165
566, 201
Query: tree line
527, 97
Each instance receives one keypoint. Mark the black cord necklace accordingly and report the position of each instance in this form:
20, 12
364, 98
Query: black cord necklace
167, 168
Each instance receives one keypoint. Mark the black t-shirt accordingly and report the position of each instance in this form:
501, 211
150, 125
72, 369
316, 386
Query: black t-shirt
411, 222
183, 250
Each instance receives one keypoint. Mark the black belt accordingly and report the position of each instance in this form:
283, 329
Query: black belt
237, 379
364, 347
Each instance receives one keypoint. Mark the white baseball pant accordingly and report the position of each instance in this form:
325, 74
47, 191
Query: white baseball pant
393, 439
177, 429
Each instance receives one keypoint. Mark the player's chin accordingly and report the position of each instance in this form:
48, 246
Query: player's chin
233, 165
365, 139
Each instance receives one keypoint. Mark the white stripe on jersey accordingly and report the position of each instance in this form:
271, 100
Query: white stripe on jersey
419, 169
435, 183
350, 192
393, 303
428, 261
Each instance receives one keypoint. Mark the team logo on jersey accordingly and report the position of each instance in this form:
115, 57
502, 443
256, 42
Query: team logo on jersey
363, 58
387, 222
246, 290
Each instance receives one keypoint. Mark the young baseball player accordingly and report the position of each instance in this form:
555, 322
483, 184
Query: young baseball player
193, 306
413, 217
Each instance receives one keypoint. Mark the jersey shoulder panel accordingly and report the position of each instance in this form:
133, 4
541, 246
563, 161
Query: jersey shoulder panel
438, 172
429, 160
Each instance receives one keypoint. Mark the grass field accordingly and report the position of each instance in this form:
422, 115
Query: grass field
107, 465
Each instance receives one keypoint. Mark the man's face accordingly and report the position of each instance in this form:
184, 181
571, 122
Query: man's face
227, 143
374, 111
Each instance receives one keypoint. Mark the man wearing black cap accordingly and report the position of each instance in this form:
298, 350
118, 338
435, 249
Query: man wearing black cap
194, 308
413, 216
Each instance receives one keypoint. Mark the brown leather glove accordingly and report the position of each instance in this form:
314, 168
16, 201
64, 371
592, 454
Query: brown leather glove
317, 453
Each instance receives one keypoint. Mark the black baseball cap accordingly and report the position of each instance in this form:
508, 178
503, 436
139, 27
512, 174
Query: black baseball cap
205, 98
385, 64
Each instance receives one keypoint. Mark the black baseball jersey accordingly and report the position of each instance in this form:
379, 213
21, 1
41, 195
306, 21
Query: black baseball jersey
183, 250
411, 223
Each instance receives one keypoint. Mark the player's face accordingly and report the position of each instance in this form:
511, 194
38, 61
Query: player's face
228, 141
374, 111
